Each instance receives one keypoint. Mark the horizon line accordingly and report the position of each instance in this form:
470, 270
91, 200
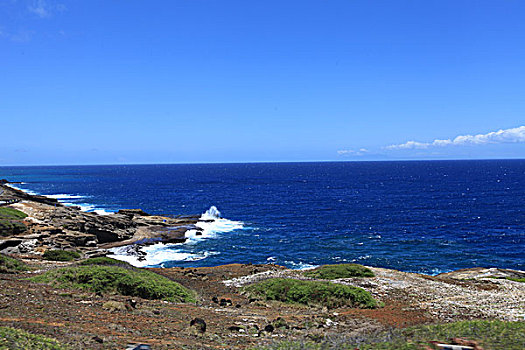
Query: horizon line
268, 162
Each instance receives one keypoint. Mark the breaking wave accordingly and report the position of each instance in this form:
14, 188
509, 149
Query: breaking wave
63, 196
70, 200
210, 225
21, 189
155, 254
300, 265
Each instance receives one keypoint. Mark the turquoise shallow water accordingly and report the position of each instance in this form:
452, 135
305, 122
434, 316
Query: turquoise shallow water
428, 216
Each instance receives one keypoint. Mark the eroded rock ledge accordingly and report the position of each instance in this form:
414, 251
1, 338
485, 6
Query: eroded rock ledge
51, 225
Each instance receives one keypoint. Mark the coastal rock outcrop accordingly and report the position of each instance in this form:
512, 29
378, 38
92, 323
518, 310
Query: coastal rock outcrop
49, 224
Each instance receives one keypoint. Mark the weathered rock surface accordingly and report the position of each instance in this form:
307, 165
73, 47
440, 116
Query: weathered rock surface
132, 212
480, 272
52, 225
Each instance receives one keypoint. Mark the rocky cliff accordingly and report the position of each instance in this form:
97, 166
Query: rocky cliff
51, 225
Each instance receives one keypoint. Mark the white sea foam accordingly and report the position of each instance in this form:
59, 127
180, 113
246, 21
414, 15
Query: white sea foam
22, 189
156, 254
63, 196
103, 212
300, 265
83, 206
89, 208
210, 224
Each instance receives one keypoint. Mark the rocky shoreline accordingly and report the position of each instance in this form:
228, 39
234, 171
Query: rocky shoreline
51, 225
224, 316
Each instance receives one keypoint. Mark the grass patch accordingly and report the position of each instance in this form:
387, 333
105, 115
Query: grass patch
11, 338
10, 213
491, 335
11, 265
116, 279
103, 261
10, 222
327, 294
332, 272
60, 255
515, 279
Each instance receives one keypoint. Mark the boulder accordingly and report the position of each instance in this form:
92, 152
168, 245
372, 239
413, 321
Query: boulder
113, 306
198, 325
133, 212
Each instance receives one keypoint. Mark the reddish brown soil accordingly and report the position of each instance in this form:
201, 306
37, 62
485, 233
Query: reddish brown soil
75, 317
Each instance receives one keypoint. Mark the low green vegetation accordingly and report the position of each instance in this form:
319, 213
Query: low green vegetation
332, 272
11, 338
10, 213
321, 293
11, 265
60, 255
515, 279
10, 221
293, 345
491, 335
116, 279
104, 261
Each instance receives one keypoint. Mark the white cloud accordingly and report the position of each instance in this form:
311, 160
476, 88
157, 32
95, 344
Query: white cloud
513, 135
45, 8
20, 36
40, 8
351, 152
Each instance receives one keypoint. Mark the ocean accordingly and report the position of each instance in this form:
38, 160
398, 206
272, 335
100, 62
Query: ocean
414, 216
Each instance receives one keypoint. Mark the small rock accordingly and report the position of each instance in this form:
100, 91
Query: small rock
198, 324
269, 328
98, 339
132, 303
113, 306
234, 328
225, 302
279, 322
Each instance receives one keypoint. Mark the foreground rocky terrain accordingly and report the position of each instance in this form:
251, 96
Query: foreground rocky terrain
87, 320
224, 316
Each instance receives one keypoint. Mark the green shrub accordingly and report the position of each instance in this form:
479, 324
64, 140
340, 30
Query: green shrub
311, 293
10, 213
11, 265
116, 279
292, 345
10, 223
10, 227
492, 335
60, 255
11, 338
522, 280
104, 261
332, 272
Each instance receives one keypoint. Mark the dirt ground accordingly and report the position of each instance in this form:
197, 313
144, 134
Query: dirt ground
232, 320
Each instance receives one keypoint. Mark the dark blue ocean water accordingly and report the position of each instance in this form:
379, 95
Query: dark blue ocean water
419, 216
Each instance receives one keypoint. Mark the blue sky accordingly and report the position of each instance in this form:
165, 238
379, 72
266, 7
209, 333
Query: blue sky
107, 82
